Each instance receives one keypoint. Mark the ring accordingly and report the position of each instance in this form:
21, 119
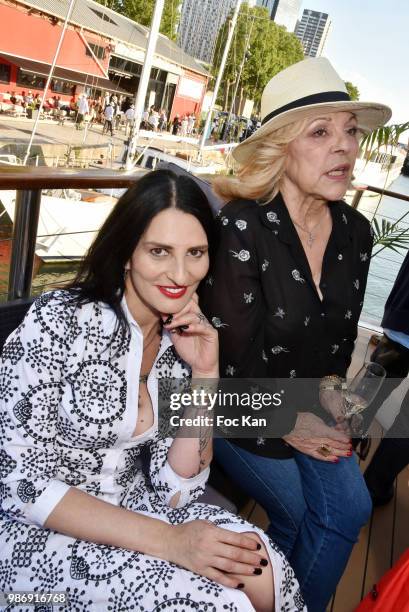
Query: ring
201, 317
324, 450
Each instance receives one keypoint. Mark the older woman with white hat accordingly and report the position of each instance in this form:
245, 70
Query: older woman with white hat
286, 293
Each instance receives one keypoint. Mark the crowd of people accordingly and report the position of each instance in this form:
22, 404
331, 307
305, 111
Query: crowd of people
96, 499
111, 111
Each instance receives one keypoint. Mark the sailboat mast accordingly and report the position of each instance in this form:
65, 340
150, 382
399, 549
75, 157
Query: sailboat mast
144, 81
219, 76
47, 85
246, 47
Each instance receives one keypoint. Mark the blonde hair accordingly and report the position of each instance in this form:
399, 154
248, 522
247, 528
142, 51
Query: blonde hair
260, 176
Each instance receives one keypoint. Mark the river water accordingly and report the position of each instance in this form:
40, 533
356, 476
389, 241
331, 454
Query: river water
385, 263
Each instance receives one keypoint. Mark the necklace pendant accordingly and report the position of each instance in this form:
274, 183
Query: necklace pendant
143, 379
310, 240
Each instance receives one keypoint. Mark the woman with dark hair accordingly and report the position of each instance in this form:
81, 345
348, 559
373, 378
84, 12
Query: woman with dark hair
95, 502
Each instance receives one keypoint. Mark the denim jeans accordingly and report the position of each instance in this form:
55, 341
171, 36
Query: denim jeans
316, 510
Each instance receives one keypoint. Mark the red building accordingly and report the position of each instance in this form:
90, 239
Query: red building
102, 51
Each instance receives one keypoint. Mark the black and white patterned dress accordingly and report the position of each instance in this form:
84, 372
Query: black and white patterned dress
68, 410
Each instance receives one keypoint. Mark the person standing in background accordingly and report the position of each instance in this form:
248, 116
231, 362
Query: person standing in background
190, 124
183, 128
163, 120
392, 352
154, 119
176, 124
129, 116
109, 115
83, 109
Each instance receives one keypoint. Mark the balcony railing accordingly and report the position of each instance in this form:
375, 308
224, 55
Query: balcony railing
28, 183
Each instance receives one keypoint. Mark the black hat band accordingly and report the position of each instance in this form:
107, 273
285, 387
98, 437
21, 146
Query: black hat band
326, 96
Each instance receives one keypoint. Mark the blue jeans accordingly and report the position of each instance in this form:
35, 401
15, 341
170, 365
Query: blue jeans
316, 510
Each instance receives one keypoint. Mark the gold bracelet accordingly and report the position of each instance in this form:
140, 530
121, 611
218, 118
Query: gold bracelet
332, 382
340, 387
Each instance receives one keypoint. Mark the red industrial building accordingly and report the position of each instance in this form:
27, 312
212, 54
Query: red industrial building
102, 51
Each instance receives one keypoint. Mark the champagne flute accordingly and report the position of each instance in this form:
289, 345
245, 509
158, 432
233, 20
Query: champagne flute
360, 393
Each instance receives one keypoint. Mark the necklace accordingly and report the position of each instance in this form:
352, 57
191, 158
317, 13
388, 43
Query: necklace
143, 378
310, 232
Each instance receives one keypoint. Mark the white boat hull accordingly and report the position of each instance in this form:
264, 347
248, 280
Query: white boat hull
378, 173
66, 227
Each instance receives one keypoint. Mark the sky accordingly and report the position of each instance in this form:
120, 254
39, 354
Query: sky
369, 45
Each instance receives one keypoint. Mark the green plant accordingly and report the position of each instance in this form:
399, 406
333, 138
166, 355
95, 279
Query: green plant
387, 234
387, 136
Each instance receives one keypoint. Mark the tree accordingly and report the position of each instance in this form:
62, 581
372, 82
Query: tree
141, 11
268, 47
352, 90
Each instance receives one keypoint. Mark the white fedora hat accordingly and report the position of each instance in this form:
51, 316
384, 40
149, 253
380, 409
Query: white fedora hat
300, 91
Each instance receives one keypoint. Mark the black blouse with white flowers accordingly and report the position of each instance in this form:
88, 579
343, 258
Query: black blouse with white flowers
261, 297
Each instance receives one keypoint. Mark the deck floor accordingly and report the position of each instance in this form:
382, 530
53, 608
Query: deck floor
381, 541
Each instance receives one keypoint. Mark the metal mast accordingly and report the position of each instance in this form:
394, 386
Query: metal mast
232, 26
144, 81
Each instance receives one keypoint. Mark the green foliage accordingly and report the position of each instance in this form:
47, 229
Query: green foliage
115, 5
387, 136
387, 234
141, 11
270, 48
352, 90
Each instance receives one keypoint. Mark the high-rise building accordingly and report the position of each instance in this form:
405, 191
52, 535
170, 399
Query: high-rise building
313, 31
200, 22
283, 12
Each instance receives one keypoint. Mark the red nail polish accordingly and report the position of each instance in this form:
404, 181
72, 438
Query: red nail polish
349, 454
240, 586
335, 460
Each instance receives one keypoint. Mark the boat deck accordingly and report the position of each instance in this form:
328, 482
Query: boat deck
381, 541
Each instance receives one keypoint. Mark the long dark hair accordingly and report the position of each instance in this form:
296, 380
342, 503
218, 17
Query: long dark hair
101, 276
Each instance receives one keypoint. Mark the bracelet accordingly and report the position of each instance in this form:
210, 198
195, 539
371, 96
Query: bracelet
332, 382
340, 387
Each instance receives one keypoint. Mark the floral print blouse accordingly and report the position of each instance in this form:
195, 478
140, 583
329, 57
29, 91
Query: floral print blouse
261, 297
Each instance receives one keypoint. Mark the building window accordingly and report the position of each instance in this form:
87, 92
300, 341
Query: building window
30, 80
104, 16
123, 65
98, 51
64, 87
158, 75
5, 73
93, 93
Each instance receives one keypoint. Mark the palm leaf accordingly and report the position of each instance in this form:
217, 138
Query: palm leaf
387, 135
389, 235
